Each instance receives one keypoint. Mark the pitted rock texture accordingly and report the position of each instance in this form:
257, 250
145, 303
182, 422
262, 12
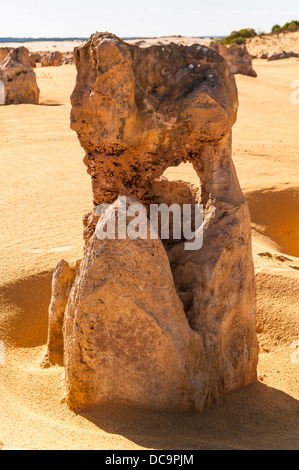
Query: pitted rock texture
137, 112
19, 78
237, 57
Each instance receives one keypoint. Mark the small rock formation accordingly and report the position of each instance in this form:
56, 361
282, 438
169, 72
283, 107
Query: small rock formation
238, 58
35, 58
147, 321
18, 77
62, 281
282, 55
53, 59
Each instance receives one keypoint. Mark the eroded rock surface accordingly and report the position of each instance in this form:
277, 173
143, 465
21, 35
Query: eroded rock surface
19, 78
138, 111
147, 322
237, 57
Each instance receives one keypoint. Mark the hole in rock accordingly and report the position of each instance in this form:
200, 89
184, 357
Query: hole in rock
183, 188
178, 191
184, 172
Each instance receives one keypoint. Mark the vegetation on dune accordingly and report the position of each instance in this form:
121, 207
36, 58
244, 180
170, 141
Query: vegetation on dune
240, 37
291, 26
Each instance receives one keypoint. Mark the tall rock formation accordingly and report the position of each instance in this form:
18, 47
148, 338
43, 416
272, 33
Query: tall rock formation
148, 321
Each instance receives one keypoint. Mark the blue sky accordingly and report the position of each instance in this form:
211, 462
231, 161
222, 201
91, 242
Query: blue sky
127, 18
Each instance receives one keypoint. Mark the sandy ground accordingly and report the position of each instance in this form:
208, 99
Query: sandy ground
46, 46
44, 193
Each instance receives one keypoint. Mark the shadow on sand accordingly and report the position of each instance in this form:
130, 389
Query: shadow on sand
255, 417
51, 104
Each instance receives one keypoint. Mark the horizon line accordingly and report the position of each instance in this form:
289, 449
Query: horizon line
74, 38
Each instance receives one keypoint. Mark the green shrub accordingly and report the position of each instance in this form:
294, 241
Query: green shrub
239, 37
276, 29
291, 26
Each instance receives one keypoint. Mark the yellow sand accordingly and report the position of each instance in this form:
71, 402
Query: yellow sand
44, 193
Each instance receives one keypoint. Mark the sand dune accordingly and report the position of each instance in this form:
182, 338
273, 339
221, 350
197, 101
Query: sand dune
45, 192
268, 44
